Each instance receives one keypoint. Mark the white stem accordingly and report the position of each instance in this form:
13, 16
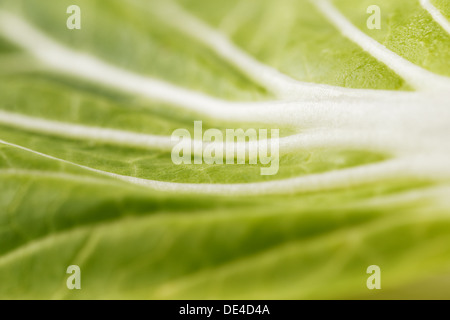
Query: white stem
435, 168
418, 77
439, 194
267, 76
304, 114
65, 60
80, 132
375, 140
436, 15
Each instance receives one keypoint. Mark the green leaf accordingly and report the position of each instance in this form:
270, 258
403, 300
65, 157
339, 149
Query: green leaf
363, 177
